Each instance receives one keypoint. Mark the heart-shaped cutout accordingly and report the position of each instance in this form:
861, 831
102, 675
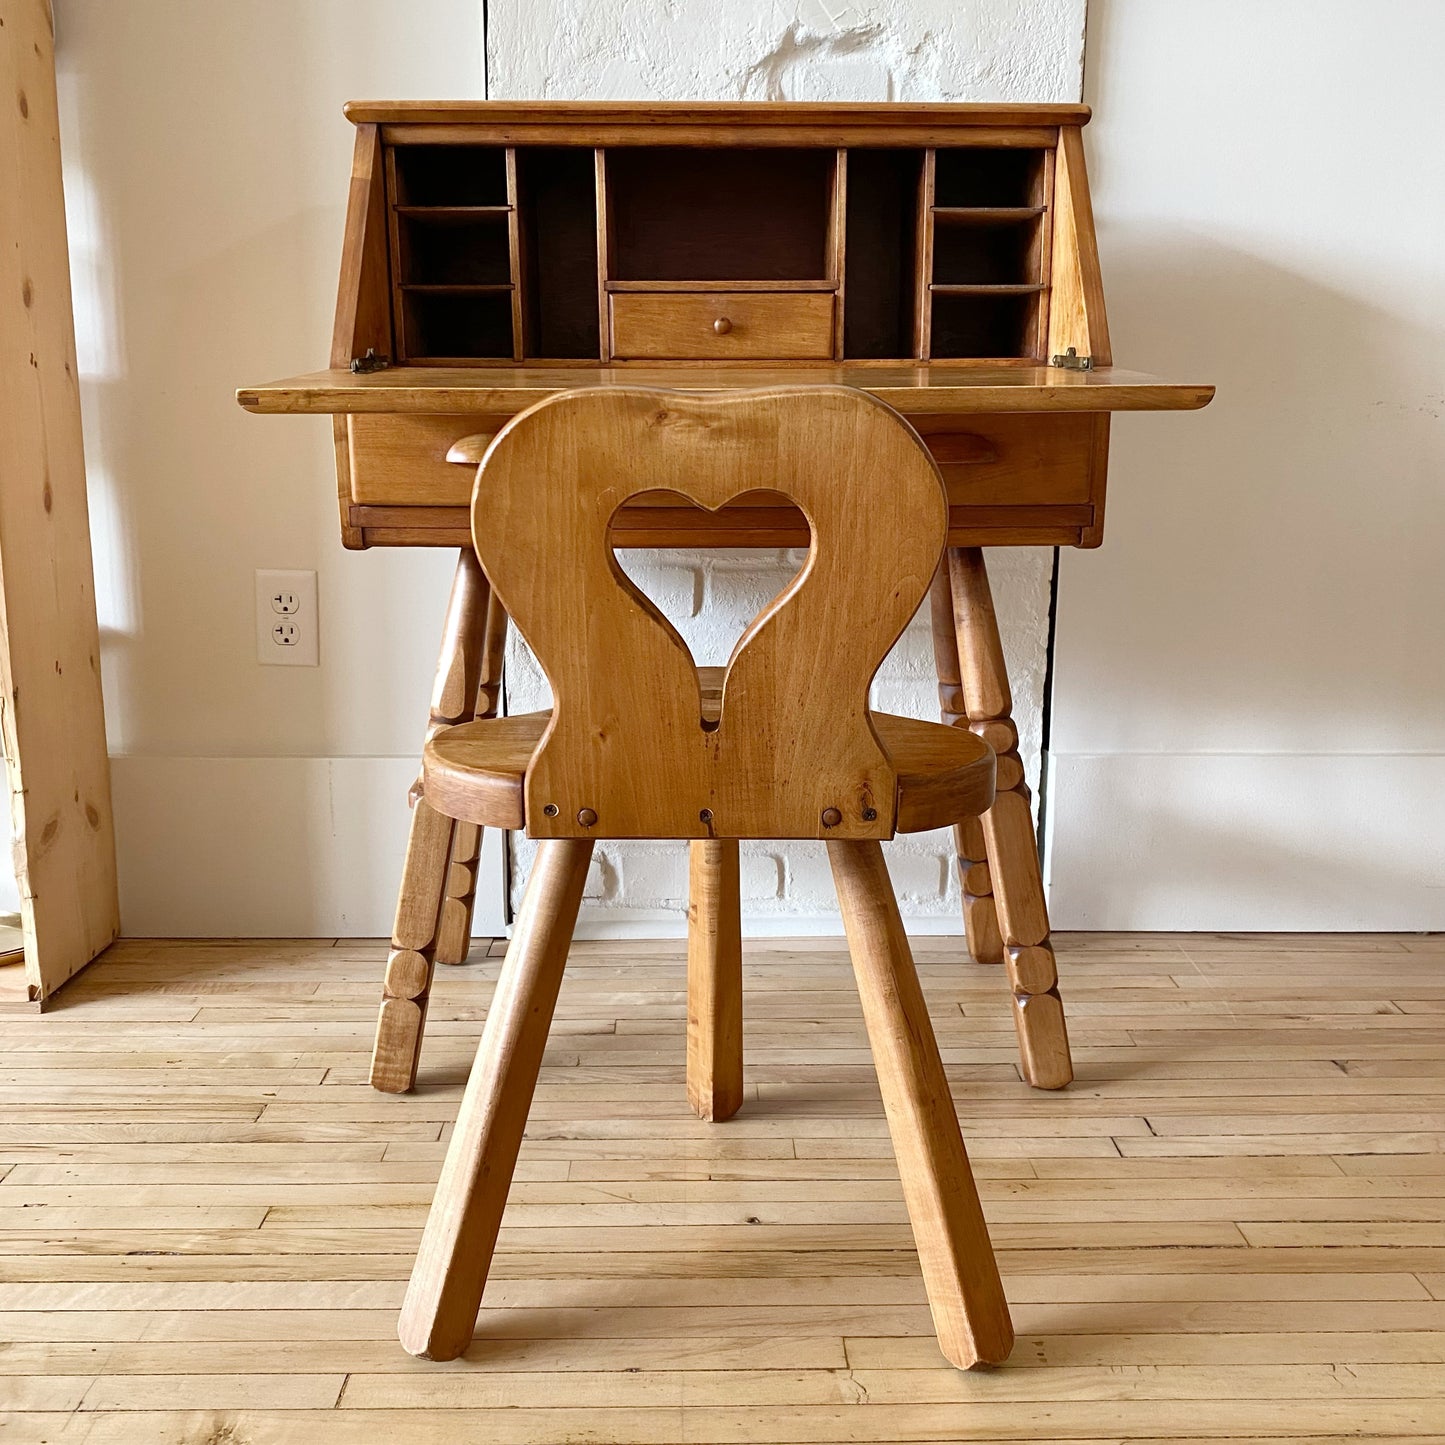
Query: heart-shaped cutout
711, 597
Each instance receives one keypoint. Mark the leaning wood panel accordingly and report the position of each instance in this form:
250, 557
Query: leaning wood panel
54, 725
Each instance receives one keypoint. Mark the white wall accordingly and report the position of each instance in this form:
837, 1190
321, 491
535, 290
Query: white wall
1249, 707
1005, 50
206, 164
1247, 720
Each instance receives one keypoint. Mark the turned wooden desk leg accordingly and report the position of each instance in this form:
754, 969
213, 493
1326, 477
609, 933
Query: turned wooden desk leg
1008, 829
980, 916
714, 980
407, 984
454, 931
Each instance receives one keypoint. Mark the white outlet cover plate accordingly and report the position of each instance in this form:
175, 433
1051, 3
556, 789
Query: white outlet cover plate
305, 621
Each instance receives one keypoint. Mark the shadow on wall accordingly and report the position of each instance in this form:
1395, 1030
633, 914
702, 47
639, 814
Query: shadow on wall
1211, 844
1281, 549
207, 208
1246, 694
1253, 530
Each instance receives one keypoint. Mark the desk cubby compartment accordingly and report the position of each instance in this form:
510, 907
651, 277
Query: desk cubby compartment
679, 213
557, 202
445, 175
454, 248
881, 253
986, 248
971, 324
973, 176
457, 324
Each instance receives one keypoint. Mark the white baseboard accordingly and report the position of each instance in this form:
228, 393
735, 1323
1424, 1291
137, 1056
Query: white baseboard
1247, 841
622, 922
312, 847
270, 847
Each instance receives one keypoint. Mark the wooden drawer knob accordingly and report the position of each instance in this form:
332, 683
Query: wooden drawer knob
722, 326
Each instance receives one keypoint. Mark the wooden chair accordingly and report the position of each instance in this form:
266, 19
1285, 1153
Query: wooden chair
640, 744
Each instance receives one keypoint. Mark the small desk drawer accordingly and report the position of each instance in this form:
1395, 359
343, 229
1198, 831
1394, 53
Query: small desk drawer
719, 325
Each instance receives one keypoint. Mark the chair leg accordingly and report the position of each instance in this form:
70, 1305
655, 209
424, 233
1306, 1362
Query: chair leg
430, 846
960, 1273
1008, 831
454, 931
714, 980
440, 1309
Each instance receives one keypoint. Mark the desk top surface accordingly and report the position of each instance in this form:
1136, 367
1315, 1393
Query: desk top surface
913, 390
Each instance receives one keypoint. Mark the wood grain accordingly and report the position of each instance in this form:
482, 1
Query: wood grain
426, 871
721, 325
720, 117
478, 771
793, 745
965, 1293
52, 719
454, 927
363, 306
451, 1267
1004, 460
1011, 846
714, 980
980, 914
1251, 1283
1076, 305
954, 389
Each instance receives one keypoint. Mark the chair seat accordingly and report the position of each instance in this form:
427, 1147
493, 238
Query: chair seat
477, 771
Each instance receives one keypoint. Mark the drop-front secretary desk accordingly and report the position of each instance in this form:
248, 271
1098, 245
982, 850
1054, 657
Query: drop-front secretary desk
941, 257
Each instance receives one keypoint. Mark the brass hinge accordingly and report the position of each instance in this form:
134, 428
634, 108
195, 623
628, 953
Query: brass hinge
1072, 361
370, 362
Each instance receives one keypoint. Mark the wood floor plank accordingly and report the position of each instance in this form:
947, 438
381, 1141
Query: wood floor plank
783, 1425
213, 1392
1232, 1227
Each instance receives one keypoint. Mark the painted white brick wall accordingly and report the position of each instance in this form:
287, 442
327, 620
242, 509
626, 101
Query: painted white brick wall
1003, 50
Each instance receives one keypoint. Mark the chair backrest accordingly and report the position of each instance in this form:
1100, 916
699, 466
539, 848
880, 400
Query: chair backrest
628, 753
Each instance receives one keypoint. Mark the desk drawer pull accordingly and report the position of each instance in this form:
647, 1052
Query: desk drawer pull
959, 448
468, 450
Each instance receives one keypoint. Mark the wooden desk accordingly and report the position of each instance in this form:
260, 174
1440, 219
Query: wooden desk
941, 257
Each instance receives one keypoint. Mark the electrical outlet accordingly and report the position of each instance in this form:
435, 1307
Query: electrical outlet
288, 625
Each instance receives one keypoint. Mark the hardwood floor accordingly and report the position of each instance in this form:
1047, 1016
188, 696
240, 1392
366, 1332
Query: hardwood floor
1231, 1227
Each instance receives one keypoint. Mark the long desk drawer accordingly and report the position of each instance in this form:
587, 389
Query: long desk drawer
1040, 475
